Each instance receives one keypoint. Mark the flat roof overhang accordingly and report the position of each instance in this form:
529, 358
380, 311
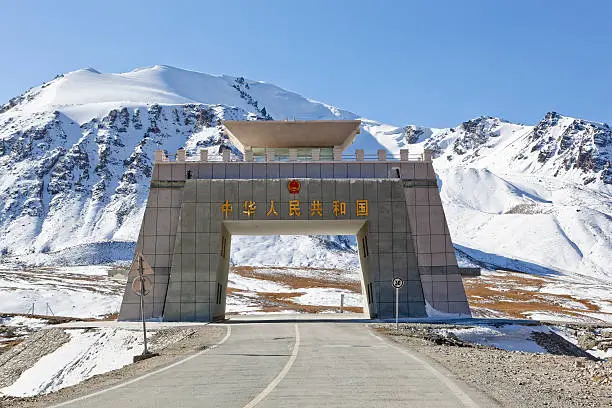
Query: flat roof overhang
292, 134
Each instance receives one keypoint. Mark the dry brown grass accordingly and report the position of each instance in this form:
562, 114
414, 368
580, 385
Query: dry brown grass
516, 295
298, 282
111, 316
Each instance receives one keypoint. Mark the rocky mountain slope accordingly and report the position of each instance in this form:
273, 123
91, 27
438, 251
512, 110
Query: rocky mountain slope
76, 154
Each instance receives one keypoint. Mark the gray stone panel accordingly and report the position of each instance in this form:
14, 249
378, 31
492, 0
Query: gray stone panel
218, 171
152, 199
313, 170
259, 170
367, 170
385, 216
178, 172
286, 170
204, 171
299, 170
328, 190
246, 170
342, 190
340, 170
272, 170
232, 170
384, 190
164, 197
353, 170
420, 171
407, 170
380, 170
258, 191
164, 172
327, 171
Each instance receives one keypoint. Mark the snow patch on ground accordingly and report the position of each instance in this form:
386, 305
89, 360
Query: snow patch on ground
510, 337
328, 297
72, 292
88, 353
432, 312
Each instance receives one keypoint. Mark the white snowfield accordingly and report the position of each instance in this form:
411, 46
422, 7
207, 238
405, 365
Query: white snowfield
71, 292
76, 155
87, 353
511, 337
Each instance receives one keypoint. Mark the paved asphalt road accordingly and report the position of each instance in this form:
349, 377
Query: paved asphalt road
296, 365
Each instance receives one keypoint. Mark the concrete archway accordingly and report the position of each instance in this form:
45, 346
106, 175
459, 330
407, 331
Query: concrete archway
392, 206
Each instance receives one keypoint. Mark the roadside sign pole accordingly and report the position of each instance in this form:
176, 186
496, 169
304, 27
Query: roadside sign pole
142, 313
397, 284
396, 308
342, 303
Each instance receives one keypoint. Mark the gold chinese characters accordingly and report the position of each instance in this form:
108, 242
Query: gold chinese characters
249, 208
316, 208
339, 207
294, 209
272, 210
362, 208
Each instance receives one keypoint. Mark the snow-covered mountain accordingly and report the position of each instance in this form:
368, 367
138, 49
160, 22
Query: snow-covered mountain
76, 154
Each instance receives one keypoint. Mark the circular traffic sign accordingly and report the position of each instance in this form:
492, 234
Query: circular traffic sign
398, 283
144, 288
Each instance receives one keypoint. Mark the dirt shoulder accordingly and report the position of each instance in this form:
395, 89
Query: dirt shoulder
514, 379
171, 344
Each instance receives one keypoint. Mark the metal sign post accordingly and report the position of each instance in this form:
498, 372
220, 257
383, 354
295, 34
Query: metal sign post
397, 284
142, 295
142, 286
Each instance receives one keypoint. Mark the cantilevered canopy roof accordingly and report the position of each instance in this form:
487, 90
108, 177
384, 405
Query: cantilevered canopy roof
292, 134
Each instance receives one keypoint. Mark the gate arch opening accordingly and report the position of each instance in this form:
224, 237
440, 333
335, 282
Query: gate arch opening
279, 227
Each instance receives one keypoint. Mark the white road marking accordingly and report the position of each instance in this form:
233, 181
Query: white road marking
349, 346
280, 375
142, 377
450, 384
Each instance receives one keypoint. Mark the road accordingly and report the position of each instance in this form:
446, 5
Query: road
306, 364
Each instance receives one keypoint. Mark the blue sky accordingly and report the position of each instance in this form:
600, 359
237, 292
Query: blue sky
432, 63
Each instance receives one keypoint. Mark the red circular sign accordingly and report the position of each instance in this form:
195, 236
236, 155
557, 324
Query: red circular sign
293, 186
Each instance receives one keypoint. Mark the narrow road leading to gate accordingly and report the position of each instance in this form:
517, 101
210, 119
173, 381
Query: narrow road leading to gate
296, 365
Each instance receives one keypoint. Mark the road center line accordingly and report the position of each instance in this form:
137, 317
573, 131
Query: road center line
142, 377
450, 384
280, 375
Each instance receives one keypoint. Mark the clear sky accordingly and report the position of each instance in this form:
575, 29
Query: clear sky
431, 63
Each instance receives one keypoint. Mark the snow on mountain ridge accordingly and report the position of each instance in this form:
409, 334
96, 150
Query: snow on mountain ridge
76, 154
87, 93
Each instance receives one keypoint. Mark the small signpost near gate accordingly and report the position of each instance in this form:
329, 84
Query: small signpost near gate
141, 285
397, 284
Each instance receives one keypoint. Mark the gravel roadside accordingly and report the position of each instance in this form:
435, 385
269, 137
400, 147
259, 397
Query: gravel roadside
171, 344
24, 355
514, 379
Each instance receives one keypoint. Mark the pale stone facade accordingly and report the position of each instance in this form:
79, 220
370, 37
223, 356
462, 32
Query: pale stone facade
393, 207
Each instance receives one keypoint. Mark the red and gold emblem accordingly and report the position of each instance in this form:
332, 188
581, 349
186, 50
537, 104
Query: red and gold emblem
293, 186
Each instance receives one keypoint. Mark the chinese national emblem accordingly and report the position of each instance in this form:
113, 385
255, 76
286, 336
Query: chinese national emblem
293, 186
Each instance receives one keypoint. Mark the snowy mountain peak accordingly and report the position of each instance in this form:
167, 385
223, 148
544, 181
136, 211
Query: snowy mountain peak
76, 155
565, 144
